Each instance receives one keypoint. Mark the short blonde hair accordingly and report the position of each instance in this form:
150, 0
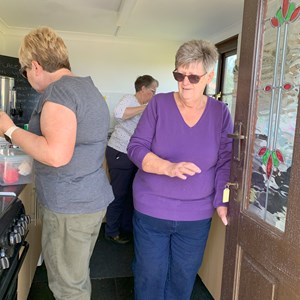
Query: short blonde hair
197, 51
46, 47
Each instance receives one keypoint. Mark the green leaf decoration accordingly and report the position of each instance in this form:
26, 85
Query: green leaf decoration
275, 159
290, 11
266, 157
280, 16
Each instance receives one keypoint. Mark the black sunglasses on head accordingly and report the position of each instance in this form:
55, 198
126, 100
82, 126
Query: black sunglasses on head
192, 78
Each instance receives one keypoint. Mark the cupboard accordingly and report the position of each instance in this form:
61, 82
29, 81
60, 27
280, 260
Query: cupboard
28, 197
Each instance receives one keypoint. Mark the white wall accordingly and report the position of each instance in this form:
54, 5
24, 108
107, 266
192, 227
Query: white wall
114, 64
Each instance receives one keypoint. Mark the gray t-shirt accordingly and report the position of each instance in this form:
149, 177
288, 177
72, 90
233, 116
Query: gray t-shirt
81, 186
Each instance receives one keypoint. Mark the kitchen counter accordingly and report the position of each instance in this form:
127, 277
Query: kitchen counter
16, 189
8, 194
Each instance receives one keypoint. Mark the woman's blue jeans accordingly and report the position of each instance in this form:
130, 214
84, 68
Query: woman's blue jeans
168, 255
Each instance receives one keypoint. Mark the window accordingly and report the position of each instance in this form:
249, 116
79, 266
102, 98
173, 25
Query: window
223, 87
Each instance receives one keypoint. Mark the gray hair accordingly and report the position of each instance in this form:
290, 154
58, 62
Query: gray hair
197, 51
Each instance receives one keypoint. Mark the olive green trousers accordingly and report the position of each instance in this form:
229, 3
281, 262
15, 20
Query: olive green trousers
68, 242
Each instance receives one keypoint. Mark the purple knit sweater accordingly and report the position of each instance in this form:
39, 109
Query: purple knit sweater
163, 131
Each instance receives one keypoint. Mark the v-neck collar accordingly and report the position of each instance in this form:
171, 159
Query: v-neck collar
181, 117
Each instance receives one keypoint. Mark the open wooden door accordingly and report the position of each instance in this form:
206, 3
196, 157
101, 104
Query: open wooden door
262, 249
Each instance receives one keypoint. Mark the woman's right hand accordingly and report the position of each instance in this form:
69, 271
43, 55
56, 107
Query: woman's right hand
5, 122
156, 165
182, 169
222, 213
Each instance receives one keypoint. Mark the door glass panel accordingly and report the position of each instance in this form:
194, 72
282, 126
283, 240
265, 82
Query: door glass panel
274, 114
229, 88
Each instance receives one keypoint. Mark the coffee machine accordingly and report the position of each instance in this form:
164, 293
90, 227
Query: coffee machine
9, 97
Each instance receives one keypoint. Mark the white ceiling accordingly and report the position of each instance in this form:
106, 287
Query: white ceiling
176, 20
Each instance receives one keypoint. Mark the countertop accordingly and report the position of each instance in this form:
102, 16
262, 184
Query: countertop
8, 194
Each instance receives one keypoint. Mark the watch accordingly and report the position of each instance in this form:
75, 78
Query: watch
9, 132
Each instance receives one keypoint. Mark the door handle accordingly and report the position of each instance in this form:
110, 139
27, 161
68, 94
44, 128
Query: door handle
237, 137
234, 185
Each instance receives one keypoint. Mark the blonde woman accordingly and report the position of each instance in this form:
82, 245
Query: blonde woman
67, 139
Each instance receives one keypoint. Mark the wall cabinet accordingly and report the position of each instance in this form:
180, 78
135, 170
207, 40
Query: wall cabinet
28, 197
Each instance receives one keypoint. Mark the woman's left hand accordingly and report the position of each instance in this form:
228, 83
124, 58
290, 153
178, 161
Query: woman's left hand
5, 122
222, 212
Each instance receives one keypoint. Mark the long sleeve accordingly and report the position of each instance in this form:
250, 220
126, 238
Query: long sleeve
224, 158
141, 140
162, 131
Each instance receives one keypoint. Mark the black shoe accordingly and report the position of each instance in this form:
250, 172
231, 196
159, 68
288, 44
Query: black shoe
118, 239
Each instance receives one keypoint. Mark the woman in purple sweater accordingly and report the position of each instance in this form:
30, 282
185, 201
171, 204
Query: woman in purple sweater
183, 153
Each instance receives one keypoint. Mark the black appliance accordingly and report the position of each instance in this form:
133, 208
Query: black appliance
13, 247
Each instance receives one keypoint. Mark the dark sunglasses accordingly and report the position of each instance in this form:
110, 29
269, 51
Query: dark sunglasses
23, 72
192, 78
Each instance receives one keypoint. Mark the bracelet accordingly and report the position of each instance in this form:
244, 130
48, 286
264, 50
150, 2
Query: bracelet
8, 133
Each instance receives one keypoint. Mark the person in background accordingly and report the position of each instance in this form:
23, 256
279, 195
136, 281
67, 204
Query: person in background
67, 139
127, 113
183, 153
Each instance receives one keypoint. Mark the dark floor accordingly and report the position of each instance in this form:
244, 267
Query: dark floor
111, 275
